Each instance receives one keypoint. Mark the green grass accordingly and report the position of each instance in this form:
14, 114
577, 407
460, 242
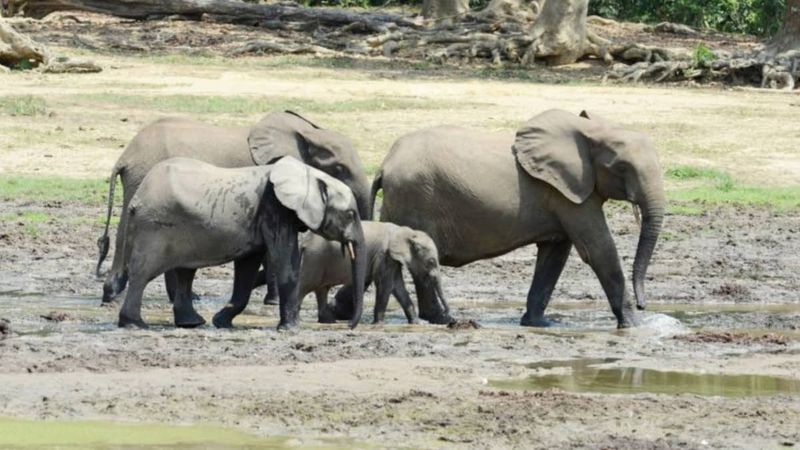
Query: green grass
30, 221
210, 104
40, 188
23, 105
781, 199
713, 187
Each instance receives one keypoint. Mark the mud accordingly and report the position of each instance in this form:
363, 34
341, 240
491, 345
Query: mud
421, 386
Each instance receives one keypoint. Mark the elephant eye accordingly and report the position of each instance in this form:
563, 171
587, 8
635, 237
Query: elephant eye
338, 169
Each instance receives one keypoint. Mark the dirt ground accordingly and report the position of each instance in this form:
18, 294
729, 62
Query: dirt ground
728, 273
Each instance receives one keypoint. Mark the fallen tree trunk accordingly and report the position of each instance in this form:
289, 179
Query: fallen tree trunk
18, 51
226, 11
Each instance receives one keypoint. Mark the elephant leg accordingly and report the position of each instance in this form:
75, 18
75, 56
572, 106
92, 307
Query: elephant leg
130, 314
324, 311
287, 262
595, 245
117, 277
383, 290
271, 297
430, 308
401, 294
550, 261
343, 306
171, 283
244, 274
182, 308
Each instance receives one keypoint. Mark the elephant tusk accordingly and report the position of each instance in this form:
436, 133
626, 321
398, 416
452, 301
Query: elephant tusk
636, 215
352, 252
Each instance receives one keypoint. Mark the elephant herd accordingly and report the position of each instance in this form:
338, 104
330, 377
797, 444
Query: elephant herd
197, 195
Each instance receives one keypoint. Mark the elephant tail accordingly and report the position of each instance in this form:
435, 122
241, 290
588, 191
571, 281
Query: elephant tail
103, 241
377, 185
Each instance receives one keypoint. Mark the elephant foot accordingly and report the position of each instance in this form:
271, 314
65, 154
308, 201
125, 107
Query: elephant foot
343, 311
128, 322
413, 321
437, 319
222, 320
189, 319
271, 299
326, 315
109, 292
629, 319
195, 296
377, 321
539, 322
287, 326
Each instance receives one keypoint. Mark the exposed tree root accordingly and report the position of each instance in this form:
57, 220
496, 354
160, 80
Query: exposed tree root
20, 51
641, 63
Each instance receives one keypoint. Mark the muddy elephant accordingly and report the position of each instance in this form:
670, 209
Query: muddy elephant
277, 134
480, 195
389, 248
189, 214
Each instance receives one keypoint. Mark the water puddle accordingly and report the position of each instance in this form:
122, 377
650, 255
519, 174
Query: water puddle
30, 434
585, 375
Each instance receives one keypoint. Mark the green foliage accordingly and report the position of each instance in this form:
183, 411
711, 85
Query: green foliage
23, 105
702, 55
758, 17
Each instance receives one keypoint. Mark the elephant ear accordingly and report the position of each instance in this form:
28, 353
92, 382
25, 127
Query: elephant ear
598, 119
551, 147
301, 189
286, 133
276, 136
400, 245
269, 143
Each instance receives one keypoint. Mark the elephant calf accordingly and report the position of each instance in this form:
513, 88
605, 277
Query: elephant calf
388, 248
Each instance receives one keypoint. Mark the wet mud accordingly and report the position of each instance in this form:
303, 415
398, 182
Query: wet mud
699, 372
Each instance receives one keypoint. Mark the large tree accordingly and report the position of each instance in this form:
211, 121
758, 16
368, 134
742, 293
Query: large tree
788, 38
559, 32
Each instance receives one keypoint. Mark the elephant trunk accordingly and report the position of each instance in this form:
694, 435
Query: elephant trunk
652, 219
364, 205
358, 258
432, 304
437, 283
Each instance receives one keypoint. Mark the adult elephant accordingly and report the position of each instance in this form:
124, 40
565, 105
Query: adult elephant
277, 134
480, 195
189, 214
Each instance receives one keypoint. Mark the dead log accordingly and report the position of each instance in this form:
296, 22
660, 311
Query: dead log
17, 50
227, 11
20, 51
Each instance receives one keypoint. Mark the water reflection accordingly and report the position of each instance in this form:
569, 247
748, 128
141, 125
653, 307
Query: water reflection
585, 376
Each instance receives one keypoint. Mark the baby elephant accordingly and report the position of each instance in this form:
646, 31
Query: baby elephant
389, 247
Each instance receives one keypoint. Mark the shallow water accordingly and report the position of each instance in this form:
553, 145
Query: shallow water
87, 316
30, 434
589, 375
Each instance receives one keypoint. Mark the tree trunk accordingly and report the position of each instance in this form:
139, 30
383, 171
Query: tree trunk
227, 11
788, 38
560, 31
444, 12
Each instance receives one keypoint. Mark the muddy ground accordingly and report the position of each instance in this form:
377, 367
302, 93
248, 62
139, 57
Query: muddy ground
723, 280
732, 270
